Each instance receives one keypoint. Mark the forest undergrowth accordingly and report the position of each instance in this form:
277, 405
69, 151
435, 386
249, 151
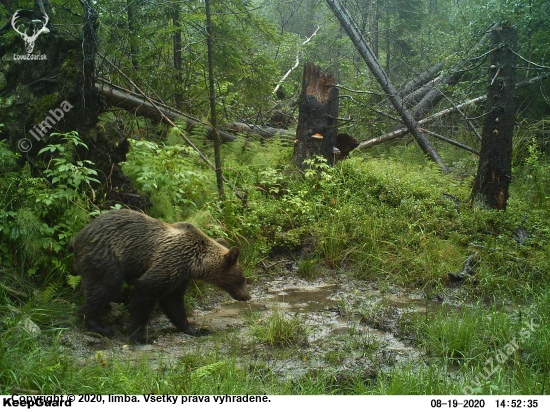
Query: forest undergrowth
388, 216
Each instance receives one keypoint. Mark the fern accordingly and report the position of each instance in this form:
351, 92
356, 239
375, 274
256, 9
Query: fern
205, 371
73, 281
47, 295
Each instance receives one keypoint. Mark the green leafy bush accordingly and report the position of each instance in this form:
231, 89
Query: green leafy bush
172, 176
40, 215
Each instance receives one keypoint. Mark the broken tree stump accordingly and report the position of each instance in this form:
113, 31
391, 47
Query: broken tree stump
317, 123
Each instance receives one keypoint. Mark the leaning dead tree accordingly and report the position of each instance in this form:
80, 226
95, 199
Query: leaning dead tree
117, 96
494, 172
420, 80
432, 94
372, 62
318, 121
403, 131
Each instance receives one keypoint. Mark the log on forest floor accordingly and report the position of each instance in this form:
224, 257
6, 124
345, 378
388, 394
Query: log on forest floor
127, 100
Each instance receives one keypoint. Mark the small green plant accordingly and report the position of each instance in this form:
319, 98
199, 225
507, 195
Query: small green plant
334, 357
272, 181
306, 267
69, 177
39, 215
538, 173
171, 175
279, 329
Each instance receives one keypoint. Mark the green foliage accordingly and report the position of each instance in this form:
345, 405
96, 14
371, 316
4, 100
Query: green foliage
171, 175
39, 216
460, 335
71, 179
531, 163
204, 371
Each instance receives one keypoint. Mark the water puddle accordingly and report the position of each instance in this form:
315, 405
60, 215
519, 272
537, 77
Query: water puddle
351, 326
292, 300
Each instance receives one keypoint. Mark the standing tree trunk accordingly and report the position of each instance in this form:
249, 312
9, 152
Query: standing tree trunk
372, 62
373, 27
134, 48
177, 60
317, 123
494, 172
213, 119
91, 100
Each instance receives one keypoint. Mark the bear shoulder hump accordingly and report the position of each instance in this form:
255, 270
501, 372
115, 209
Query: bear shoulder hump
184, 226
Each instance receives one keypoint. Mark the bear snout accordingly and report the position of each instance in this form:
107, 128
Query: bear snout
241, 293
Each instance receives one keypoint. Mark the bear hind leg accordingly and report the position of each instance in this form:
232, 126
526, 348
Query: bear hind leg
98, 293
141, 307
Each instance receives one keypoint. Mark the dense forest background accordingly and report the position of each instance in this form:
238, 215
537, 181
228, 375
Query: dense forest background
386, 216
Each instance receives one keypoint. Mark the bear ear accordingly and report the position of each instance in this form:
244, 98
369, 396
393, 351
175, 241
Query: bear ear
222, 242
232, 256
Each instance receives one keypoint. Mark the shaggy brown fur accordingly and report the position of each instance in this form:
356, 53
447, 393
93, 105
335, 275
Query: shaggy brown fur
159, 259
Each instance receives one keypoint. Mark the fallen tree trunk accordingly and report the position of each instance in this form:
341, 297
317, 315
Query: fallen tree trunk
368, 56
425, 77
127, 100
433, 96
403, 131
417, 95
264, 131
450, 141
116, 96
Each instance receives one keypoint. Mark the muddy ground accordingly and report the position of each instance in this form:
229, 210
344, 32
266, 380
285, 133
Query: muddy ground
352, 327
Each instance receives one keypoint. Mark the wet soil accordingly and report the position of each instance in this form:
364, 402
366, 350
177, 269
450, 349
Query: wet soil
352, 327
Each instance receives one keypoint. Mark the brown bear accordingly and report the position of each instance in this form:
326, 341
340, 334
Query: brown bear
159, 259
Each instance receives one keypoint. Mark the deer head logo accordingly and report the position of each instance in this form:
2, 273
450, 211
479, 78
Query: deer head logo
29, 40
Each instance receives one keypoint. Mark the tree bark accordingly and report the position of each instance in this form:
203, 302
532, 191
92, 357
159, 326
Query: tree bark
375, 67
90, 98
433, 96
264, 131
425, 77
318, 119
212, 98
494, 172
373, 26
